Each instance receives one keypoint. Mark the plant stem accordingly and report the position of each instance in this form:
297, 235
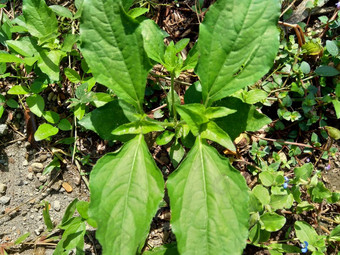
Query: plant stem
173, 96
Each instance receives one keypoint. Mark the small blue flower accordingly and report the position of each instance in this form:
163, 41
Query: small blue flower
304, 247
338, 5
328, 167
285, 185
308, 160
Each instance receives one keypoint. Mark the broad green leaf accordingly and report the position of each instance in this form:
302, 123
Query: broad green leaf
179, 46
306, 232
209, 203
61, 11
262, 194
12, 103
194, 116
192, 58
258, 235
7, 58
272, 221
48, 62
126, 188
218, 112
24, 46
326, 71
333, 132
41, 21
332, 47
113, 49
51, 117
105, 119
153, 38
64, 125
69, 41
165, 137
320, 192
72, 75
176, 153
335, 234
214, 133
255, 95
36, 104
18, 90
54, 164
136, 12
82, 208
238, 42
246, 118
304, 172
44, 131
71, 208
336, 104
137, 127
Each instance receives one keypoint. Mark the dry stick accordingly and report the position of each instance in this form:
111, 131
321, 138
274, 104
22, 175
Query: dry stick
328, 219
285, 142
327, 25
298, 30
287, 8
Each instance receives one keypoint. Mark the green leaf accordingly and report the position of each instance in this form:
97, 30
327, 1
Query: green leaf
305, 232
25, 46
64, 125
209, 203
153, 38
192, 58
54, 164
82, 208
176, 153
105, 119
180, 45
136, 12
335, 234
214, 133
165, 137
48, 62
333, 132
18, 90
71, 208
336, 104
272, 221
47, 218
262, 194
258, 235
51, 117
303, 172
7, 58
22, 238
36, 104
326, 71
218, 112
72, 75
255, 95
61, 11
246, 118
69, 41
238, 42
137, 127
332, 48
44, 131
193, 115
305, 67
320, 192
166, 249
12, 103
114, 42
126, 188
41, 21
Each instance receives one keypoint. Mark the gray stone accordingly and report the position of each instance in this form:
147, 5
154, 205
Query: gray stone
4, 200
56, 205
43, 178
25, 163
3, 188
30, 176
37, 167
3, 129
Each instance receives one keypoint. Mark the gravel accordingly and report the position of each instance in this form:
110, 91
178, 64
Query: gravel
37, 167
4, 200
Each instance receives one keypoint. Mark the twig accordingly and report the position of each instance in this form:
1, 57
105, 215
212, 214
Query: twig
287, 8
285, 142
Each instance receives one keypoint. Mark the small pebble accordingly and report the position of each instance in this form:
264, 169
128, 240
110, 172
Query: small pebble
25, 163
56, 205
57, 185
37, 167
42, 158
37, 232
30, 176
3, 188
3, 129
43, 178
4, 200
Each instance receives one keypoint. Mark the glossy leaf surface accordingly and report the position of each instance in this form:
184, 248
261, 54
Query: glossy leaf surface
126, 188
238, 41
205, 194
112, 45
